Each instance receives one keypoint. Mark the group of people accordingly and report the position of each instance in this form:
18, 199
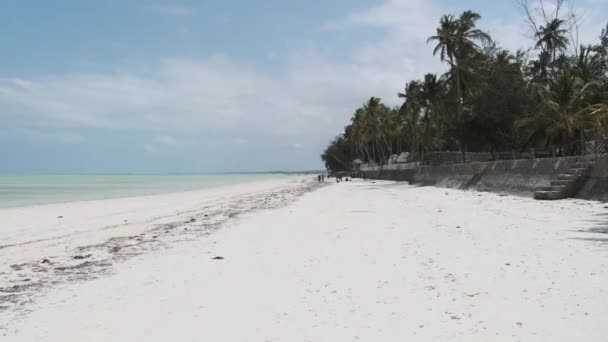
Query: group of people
321, 178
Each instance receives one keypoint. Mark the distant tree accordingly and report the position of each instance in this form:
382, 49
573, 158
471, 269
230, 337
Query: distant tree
490, 99
433, 115
338, 155
411, 110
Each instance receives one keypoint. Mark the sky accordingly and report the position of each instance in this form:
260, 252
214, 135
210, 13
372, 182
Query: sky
152, 86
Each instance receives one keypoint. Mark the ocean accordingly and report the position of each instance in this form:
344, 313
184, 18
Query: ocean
17, 191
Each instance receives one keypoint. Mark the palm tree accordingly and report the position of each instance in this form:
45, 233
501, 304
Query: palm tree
469, 34
432, 91
565, 109
456, 41
540, 68
466, 44
411, 110
370, 131
445, 39
552, 37
338, 154
432, 88
377, 121
591, 63
360, 135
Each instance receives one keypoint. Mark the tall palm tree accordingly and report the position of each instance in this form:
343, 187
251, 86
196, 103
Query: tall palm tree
411, 110
466, 45
552, 37
432, 88
432, 120
361, 135
377, 120
445, 39
457, 40
540, 68
370, 131
468, 35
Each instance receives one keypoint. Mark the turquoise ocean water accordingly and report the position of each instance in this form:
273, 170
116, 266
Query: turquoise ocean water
18, 191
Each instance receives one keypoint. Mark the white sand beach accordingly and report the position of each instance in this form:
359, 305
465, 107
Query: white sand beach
46, 246
355, 261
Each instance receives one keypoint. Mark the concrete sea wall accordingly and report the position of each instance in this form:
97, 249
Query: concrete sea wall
596, 186
523, 176
520, 177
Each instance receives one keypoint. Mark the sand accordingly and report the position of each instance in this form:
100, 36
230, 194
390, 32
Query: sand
42, 247
353, 262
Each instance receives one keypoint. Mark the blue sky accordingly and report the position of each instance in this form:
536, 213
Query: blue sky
206, 86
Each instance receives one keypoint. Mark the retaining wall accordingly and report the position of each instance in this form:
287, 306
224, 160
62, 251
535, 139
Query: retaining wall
596, 186
521, 177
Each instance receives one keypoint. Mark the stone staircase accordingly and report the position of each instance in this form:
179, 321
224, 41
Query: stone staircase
566, 185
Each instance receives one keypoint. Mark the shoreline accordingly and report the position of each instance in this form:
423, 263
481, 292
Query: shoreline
61, 243
369, 261
24, 215
147, 192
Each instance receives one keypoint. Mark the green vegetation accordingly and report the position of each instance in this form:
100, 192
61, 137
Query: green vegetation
489, 99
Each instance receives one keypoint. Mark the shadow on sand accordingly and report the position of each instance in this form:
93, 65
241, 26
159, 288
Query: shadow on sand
598, 232
383, 185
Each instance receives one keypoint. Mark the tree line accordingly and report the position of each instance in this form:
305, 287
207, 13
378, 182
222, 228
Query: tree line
490, 98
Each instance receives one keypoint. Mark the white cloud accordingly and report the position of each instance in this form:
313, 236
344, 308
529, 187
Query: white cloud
239, 141
515, 33
164, 143
171, 10
408, 24
415, 15
402, 52
307, 95
166, 140
151, 148
56, 137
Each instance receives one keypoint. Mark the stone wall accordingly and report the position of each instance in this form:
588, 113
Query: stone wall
521, 177
391, 167
443, 158
596, 187
457, 176
471, 157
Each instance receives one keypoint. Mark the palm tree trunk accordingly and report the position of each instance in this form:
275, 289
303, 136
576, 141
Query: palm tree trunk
582, 142
459, 109
374, 152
